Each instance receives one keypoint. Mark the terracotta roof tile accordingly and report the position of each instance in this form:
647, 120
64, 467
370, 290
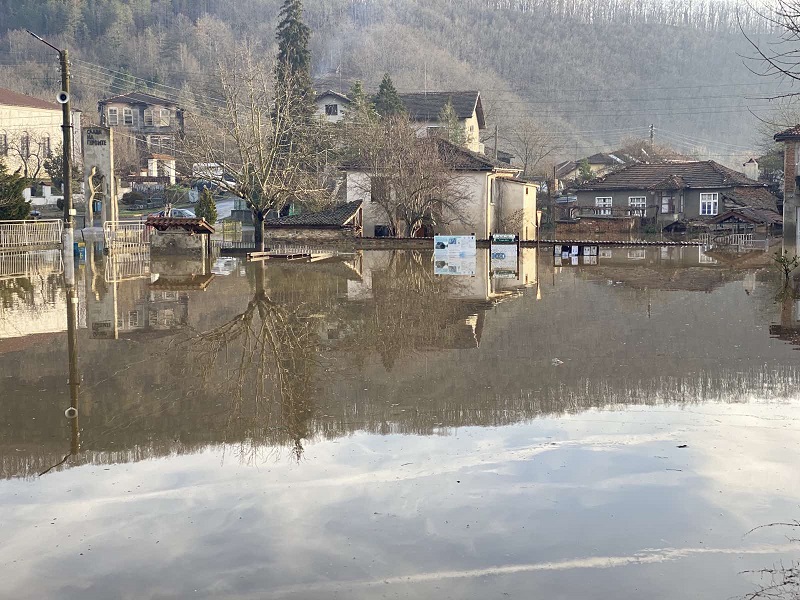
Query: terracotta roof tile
12, 98
699, 174
194, 225
788, 134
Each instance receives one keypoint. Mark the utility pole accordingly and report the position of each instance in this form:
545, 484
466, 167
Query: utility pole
652, 137
496, 130
66, 131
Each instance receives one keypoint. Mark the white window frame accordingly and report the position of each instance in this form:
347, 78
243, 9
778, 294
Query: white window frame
331, 110
603, 204
25, 146
3, 144
113, 115
638, 204
148, 117
127, 115
47, 150
709, 204
164, 116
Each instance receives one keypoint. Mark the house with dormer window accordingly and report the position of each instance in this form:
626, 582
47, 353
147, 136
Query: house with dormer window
155, 123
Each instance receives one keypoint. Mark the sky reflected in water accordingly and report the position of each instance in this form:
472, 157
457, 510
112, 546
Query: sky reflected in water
362, 428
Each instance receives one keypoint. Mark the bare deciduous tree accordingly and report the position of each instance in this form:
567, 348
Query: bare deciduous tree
412, 179
531, 143
30, 150
252, 142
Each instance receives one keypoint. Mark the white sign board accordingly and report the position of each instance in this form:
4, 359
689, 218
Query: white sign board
465, 266
455, 245
455, 255
504, 261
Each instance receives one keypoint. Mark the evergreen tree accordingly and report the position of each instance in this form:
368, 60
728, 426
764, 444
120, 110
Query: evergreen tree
293, 72
206, 207
361, 110
12, 202
388, 102
455, 129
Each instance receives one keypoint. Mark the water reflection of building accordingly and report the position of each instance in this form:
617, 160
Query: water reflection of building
410, 353
692, 268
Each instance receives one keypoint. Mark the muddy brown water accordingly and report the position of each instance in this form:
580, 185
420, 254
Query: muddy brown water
360, 427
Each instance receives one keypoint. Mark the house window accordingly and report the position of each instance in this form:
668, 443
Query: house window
603, 205
332, 110
133, 318
160, 143
383, 231
148, 117
127, 116
164, 117
639, 203
709, 204
46, 149
666, 205
25, 146
113, 116
3, 144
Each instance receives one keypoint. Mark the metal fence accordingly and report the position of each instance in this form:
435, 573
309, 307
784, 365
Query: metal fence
125, 235
30, 234
24, 263
124, 266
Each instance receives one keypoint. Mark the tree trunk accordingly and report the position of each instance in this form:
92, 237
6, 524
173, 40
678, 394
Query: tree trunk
258, 233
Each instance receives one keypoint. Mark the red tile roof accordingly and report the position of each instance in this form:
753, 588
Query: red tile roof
788, 134
193, 225
12, 98
698, 174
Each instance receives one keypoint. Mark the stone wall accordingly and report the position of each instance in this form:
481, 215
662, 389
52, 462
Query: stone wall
179, 242
308, 234
596, 225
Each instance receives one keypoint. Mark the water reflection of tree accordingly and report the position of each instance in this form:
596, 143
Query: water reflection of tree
410, 309
260, 365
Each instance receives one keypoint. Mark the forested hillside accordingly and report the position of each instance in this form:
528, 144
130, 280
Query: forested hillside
588, 73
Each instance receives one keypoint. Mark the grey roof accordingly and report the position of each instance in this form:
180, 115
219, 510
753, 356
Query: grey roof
461, 159
337, 216
337, 95
752, 197
139, 98
678, 175
427, 106
757, 216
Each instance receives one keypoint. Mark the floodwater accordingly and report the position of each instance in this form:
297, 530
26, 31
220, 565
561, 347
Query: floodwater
360, 427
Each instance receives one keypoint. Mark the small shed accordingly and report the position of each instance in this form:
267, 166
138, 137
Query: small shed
343, 221
180, 236
745, 220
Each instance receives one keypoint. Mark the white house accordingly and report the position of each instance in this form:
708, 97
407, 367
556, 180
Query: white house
426, 107
332, 106
30, 131
497, 201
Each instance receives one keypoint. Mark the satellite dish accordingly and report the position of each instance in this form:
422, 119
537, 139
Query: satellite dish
62, 97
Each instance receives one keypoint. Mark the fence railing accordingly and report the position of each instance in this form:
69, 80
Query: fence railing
30, 234
24, 263
124, 266
125, 235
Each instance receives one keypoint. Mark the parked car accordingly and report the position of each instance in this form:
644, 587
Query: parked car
179, 213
